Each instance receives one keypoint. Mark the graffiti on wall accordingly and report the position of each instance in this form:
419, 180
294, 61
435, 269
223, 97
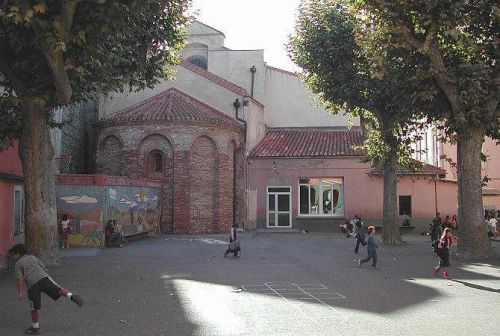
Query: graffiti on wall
83, 204
137, 209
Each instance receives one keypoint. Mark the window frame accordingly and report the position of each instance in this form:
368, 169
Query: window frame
18, 228
289, 193
399, 206
320, 201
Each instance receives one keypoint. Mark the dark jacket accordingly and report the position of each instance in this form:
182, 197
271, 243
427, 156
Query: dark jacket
373, 244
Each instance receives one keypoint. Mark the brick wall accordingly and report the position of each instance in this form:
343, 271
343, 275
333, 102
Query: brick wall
203, 167
78, 137
198, 193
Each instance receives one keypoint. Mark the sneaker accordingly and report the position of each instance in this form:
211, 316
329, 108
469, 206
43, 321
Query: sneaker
32, 331
375, 267
77, 299
359, 262
225, 254
446, 275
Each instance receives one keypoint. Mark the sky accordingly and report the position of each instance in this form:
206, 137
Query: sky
253, 24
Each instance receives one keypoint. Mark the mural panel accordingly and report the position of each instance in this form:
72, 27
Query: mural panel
83, 204
137, 209
89, 207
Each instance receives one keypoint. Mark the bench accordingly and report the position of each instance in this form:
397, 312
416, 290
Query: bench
135, 236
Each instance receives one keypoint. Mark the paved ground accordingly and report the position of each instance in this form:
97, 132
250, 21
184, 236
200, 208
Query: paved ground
284, 284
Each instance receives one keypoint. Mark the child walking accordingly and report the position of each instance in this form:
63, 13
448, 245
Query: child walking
31, 271
372, 247
443, 251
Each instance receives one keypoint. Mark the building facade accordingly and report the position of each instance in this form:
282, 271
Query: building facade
11, 201
236, 141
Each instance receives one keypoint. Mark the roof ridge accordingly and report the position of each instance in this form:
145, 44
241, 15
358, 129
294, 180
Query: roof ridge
308, 142
214, 78
171, 104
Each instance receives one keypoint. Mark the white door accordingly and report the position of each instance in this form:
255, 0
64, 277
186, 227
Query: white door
279, 207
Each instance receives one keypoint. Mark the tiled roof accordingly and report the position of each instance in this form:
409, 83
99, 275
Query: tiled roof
170, 105
308, 142
214, 78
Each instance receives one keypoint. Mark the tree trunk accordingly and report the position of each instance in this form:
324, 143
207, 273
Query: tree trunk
36, 154
473, 242
390, 232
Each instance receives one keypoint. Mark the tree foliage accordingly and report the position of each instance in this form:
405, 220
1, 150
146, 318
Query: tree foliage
460, 41
59, 52
343, 62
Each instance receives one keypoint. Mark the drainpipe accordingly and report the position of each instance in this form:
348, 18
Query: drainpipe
253, 70
435, 195
237, 106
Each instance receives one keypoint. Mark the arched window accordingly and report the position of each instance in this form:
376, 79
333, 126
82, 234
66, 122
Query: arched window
199, 61
155, 159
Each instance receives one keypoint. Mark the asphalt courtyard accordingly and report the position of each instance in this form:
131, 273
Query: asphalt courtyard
283, 284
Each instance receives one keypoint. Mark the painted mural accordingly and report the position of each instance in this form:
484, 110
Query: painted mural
89, 207
84, 205
137, 209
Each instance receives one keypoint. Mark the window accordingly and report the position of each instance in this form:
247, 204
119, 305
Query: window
321, 196
405, 206
18, 210
155, 159
199, 61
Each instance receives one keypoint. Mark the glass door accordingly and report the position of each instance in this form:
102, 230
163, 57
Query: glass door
279, 207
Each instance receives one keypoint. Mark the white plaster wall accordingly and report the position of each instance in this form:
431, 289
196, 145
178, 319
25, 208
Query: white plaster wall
234, 65
256, 125
200, 33
187, 81
289, 104
197, 49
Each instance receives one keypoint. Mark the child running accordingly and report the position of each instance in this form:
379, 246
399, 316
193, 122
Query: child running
31, 271
372, 247
360, 235
443, 251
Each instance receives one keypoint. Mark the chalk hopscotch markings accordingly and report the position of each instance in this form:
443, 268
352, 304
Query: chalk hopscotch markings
291, 292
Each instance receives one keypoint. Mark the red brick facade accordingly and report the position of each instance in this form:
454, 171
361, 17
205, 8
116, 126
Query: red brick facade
195, 160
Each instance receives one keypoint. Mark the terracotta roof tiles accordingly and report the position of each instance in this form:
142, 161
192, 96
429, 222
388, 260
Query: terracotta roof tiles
309, 142
170, 105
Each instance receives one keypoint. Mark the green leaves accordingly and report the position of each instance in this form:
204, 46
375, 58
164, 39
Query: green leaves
348, 59
104, 45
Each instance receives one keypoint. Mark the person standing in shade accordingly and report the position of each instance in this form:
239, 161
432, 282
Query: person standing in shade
493, 223
65, 230
234, 244
436, 230
30, 271
373, 245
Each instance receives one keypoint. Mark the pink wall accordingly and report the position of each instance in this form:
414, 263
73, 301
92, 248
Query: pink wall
10, 172
10, 162
490, 168
363, 194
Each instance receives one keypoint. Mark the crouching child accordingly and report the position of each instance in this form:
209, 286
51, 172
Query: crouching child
30, 271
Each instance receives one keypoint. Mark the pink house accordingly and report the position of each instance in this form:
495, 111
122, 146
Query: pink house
11, 201
313, 178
